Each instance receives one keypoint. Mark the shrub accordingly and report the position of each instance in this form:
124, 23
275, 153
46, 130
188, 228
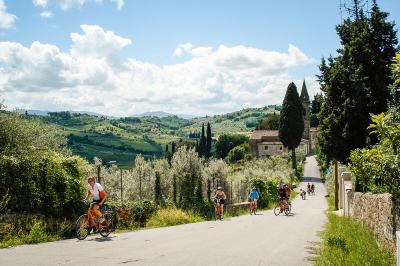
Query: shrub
173, 216
133, 214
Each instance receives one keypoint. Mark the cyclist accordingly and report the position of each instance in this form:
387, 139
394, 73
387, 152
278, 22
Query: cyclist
253, 196
220, 197
312, 188
308, 188
282, 196
98, 195
287, 191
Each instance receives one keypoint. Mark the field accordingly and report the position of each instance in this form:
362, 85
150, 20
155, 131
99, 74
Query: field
121, 139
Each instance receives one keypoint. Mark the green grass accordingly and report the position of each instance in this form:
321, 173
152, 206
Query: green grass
172, 216
37, 234
347, 241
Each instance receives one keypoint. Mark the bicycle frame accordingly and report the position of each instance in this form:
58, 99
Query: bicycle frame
95, 224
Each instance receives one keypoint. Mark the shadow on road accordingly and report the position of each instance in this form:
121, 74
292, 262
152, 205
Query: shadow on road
312, 179
102, 239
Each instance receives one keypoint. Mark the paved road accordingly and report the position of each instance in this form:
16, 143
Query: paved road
263, 239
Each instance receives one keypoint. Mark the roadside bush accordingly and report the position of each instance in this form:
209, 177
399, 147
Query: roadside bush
173, 216
133, 214
377, 169
238, 153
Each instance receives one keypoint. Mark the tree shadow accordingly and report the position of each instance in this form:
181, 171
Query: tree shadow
312, 179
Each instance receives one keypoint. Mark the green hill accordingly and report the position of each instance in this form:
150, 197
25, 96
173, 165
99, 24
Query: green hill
123, 138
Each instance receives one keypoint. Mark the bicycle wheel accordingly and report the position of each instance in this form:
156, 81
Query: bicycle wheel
287, 209
277, 210
106, 231
82, 227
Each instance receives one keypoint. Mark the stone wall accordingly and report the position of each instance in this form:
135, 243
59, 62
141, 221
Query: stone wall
379, 211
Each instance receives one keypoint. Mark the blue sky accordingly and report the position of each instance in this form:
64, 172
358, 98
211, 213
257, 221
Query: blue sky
237, 53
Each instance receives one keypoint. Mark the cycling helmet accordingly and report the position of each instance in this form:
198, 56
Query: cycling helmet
254, 188
219, 188
90, 178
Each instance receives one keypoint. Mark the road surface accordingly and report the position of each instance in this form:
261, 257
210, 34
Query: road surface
264, 239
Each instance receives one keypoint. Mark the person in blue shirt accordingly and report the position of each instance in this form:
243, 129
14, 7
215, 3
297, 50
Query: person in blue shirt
254, 196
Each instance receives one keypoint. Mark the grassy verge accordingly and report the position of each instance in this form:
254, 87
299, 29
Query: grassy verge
172, 216
347, 241
37, 234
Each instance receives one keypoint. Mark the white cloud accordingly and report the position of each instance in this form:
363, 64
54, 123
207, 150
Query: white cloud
120, 4
7, 20
67, 4
96, 42
46, 14
93, 76
41, 3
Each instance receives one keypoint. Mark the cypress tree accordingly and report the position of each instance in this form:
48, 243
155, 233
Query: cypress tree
208, 141
291, 123
174, 189
157, 189
209, 190
356, 82
199, 191
202, 144
173, 148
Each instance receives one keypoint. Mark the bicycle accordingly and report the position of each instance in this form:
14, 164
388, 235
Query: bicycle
218, 209
286, 208
86, 223
303, 194
253, 206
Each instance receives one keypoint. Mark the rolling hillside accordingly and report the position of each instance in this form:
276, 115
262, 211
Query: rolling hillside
121, 139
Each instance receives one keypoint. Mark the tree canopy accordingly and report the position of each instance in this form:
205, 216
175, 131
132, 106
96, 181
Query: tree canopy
356, 82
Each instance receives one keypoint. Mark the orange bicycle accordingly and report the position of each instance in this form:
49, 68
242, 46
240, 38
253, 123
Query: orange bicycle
253, 206
87, 223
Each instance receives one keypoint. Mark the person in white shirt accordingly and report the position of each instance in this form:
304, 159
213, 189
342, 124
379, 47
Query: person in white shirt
99, 196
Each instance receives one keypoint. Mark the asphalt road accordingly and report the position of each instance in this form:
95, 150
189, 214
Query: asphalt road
264, 239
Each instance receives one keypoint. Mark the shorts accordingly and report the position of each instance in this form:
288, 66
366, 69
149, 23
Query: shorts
221, 201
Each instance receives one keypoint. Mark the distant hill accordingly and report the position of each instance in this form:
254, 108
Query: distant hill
44, 113
121, 139
162, 114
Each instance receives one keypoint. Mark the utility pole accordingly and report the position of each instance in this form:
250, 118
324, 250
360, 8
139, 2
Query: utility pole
336, 187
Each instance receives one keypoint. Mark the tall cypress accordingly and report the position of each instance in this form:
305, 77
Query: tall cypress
202, 144
356, 82
157, 189
291, 123
208, 141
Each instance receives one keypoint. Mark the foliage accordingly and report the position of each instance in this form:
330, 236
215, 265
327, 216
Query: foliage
238, 153
395, 99
158, 197
35, 171
316, 105
270, 123
187, 167
227, 142
172, 216
208, 141
291, 124
377, 168
350, 242
355, 83
133, 214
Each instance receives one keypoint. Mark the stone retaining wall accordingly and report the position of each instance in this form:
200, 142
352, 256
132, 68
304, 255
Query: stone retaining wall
379, 211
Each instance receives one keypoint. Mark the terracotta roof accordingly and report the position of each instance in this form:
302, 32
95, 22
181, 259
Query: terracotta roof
257, 134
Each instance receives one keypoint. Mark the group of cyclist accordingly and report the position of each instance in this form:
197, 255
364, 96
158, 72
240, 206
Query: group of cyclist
96, 191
